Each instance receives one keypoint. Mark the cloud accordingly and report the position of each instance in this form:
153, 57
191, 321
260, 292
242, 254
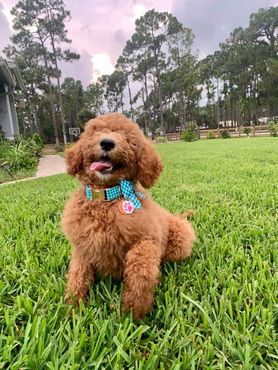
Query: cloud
79, 70
101, 65
102, 27
213, 20
5, 31
99, 30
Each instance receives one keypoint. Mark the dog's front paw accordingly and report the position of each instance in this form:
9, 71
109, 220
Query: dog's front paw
74, 299
139, 305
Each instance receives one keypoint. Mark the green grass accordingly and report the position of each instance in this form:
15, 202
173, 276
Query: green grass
218, 310
5, 177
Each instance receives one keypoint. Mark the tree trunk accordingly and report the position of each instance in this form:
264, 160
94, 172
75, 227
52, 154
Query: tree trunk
51, 98
145, 118
62, 111
59, 91
130, 99
30, 116
182, 108
122, 102
217, 111
37, 120
53, 114
147, 99
160, 110
159, 94
160, 104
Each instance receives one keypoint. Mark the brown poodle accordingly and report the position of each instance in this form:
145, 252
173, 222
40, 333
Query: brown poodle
114, 226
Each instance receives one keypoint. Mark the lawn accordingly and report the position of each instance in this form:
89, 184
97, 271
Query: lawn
218, 310
5, 177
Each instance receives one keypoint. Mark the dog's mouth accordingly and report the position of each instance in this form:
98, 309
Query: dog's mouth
104, 165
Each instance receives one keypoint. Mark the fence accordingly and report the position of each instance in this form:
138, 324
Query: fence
174, 136
233, 131
237, 131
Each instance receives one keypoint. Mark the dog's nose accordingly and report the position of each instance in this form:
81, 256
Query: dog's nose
107, 144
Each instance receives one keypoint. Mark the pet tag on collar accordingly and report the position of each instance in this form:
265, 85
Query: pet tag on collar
126, 207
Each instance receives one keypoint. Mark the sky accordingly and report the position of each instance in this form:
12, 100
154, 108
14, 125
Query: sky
99, 29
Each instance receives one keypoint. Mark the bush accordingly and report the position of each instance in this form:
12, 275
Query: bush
20, 157
189, 135
2, 135
210, 135
161, 139
247, 131
273, 128
38, 140
21, 154
4, 149
225, 134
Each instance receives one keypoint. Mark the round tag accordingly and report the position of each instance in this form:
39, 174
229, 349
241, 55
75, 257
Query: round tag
126, 207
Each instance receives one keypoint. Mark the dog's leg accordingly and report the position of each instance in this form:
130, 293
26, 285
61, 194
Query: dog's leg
79, 279
141, 274
180, 240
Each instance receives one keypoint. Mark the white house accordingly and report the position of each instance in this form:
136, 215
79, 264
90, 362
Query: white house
10, 80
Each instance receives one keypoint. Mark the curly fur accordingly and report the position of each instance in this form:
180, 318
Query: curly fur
104, 240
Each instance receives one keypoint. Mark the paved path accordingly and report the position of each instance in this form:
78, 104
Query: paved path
51, 165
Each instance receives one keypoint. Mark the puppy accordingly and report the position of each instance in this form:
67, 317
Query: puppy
112, 223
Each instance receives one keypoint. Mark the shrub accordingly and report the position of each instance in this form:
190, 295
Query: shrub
38, 140
210, 135
225, 134
189, 135
273, 128
161, 139
2, 135
247, 131
4, 149
21, 154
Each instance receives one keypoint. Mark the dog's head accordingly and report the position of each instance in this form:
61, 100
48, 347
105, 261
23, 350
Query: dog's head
113, 148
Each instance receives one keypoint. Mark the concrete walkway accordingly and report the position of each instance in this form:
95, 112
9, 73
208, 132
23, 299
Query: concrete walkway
51, 165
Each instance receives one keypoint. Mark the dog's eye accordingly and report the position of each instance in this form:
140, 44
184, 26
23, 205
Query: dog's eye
132, 144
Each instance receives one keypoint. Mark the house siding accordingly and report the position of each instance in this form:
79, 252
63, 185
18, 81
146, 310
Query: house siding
10, 80
5, 118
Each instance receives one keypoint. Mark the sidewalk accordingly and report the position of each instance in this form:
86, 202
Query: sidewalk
49, 165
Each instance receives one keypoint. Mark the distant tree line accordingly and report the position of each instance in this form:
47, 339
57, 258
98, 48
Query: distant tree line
39, 30
158, 79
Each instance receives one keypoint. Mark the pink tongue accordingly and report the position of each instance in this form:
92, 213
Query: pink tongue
100, 166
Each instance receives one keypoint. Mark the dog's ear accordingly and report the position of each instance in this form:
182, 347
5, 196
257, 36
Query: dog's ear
149, 164
74, 159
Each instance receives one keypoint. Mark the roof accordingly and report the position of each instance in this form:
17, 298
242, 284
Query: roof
9, 73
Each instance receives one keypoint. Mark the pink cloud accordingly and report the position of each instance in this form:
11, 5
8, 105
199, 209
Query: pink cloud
94, 25
101, 28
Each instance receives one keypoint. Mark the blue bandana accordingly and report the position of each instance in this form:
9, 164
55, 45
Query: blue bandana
124, 190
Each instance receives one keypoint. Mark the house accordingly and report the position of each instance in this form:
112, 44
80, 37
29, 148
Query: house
10, 81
